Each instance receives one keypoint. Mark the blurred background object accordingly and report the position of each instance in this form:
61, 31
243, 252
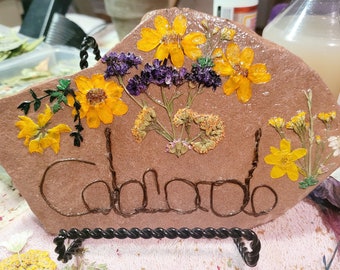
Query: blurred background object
126, 14
11, 12
311, 30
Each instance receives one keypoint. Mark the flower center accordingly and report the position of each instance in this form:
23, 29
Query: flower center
96, 96
171, 38
240, 70
285, 160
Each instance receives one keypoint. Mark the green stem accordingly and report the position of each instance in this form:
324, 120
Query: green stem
191, 97
120, 80
169, 110
311, 132
160, 129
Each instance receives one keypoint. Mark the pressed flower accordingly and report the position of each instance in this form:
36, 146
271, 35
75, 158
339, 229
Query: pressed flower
277, 122
178, 147
184, 116
318, 139
119, 64
205, 76
212, 125
228, 33
284, 159
32, 259
298, 123
327, 117
334, 143
238, 65
37, 135
171, 41
99, 100
144, 120
203, 146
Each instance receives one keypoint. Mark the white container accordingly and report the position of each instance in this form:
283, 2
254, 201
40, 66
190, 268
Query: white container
15, 72
242, 11
311, 30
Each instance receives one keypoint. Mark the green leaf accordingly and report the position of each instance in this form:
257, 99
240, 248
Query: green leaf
56, 107
25, 107
34, 95
63, 84
37, 104
55, 94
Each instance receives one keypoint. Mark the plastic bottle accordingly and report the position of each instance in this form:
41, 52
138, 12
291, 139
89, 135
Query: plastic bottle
311, 30
243, 11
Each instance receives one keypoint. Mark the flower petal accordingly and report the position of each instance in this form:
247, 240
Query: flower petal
292, 172
180, 24
92, 118
150, 39
118, 107
105, 114
162, 52
230, 86
44, 118
277, 172
285, 146
247, 57
298, 153
177, 56
233, 53
257, 73
162, 25
83, 84
244, 91
223, 68
34, 146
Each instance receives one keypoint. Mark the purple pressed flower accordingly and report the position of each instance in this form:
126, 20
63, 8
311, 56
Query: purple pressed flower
136, 85
162, 75
204, 76
119, 64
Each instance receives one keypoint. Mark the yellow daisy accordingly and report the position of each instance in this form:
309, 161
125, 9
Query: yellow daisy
171, 40
99, 100
37, 136
284, 159
238, 66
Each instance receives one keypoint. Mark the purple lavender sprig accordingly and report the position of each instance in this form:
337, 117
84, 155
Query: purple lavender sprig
119, 64
203, 74
159, 74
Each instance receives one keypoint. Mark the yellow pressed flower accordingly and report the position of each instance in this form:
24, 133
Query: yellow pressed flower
298, 123
142, 124
238, 65
327, 117
171, 41
99, 99
212, 125
277, 122
184, 116
37, 136
318, 139
32, 259
284, 159
228, 33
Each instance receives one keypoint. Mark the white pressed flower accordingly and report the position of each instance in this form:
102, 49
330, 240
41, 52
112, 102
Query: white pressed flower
17, 241
334, 143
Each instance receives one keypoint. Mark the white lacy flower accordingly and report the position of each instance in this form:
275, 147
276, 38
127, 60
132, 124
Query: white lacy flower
17, 241
334, 143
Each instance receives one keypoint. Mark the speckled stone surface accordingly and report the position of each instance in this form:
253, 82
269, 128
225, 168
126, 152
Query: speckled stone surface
77, 194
